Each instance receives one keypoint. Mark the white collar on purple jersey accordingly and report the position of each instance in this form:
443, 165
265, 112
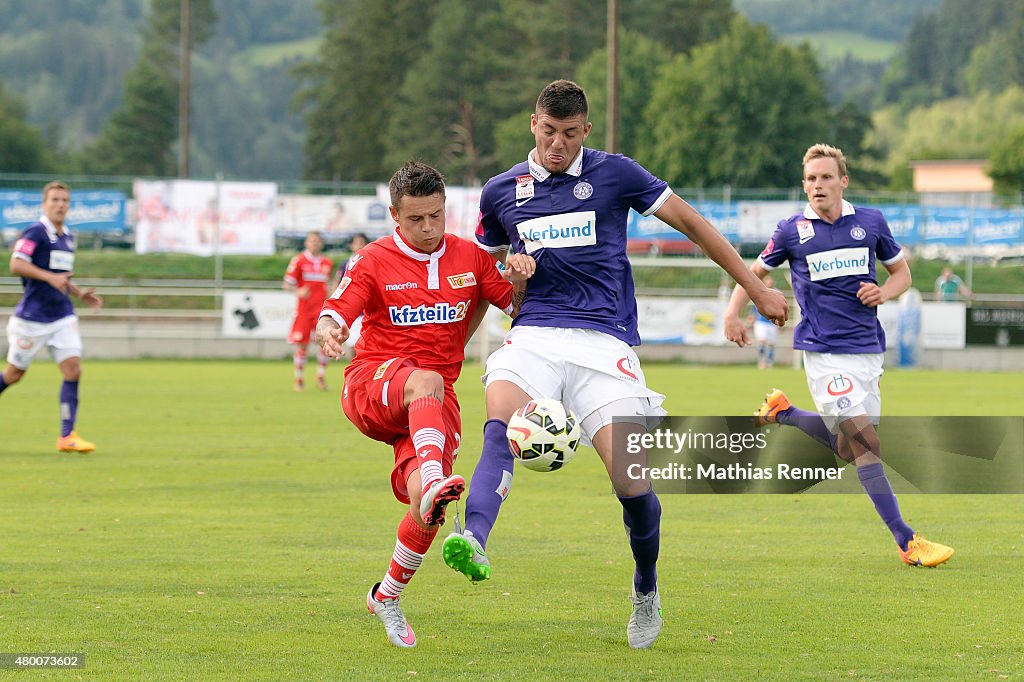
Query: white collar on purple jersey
541, 173
811, 215
51, 229
433, 280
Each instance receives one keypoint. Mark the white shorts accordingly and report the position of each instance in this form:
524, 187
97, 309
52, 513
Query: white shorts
25, 339
765, 332
844, 385
585, 369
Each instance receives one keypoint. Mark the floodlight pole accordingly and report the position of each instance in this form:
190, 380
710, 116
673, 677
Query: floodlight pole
184, 86
611, 142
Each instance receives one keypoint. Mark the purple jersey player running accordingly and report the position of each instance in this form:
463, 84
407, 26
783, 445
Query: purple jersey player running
44, 257
832, 248
567, 206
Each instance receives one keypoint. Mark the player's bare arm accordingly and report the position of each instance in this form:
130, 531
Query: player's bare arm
331, 337
87, 296
735, 330
61, 281
872, 295
684, 218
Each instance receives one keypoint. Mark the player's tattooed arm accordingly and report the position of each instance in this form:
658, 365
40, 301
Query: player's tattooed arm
331, 337
518, 294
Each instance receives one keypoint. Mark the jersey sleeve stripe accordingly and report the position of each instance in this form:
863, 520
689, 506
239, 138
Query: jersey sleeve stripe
898, 257
659, 201
760, 261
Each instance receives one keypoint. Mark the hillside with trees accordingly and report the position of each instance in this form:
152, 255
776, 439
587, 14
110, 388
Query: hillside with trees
711, 91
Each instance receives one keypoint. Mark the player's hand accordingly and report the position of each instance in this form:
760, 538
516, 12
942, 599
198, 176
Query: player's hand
61, 281
91, 298
331, 337
736, 331
772, 304
519, 267
303, 292
870, 294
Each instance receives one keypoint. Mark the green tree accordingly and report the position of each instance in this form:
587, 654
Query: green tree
741, 110
678, 25
21, 145
349, 92
1007, 163
140, 137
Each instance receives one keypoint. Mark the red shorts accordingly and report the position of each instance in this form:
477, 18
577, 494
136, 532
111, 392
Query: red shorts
374, 401
302, 328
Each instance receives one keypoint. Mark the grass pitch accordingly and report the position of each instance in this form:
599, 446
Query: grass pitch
228, 528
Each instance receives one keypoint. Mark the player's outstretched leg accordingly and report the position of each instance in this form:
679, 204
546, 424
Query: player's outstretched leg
492, 481
641, 515
776, 409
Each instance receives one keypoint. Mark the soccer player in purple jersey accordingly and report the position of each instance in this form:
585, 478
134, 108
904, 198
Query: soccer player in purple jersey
832, 248
568, 206
44, 258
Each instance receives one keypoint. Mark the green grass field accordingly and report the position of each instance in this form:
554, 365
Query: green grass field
228, 528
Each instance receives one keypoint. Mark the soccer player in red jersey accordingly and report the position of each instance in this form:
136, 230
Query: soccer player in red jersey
418, 291
307, 276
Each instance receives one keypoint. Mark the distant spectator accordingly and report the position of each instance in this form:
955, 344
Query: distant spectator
949, 287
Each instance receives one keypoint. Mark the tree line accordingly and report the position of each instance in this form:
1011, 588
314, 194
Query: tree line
707, 97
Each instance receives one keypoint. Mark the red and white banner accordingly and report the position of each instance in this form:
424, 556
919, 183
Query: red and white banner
188, 216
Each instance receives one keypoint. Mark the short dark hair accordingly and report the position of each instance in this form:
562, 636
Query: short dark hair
415, 179
563, 99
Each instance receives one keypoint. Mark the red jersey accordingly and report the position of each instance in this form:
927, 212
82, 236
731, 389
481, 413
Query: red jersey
414, 304
307, 270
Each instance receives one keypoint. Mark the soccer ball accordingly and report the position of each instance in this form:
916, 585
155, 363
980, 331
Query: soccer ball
543, 435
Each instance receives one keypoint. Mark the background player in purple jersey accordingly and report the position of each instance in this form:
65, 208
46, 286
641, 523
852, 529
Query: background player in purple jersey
44, 258
832, 248
568, 206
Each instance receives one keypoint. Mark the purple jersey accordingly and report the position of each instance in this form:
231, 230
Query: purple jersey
43, 247
828, 262
574, 225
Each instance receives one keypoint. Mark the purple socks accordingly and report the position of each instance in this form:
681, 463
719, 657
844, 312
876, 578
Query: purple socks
68, 406
492, 480
642, 516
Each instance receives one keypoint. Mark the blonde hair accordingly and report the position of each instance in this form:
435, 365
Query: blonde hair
55, 185
826, 151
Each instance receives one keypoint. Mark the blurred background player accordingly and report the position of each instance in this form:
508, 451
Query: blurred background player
44, 258
307, 275
832, 248
949, 287
568, 207
359, 240
419, 292
765, 333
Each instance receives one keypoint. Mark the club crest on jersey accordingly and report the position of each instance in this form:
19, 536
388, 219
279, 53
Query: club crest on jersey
560, 231
524, 189
583, 190
857, 232
466, 279
805, 230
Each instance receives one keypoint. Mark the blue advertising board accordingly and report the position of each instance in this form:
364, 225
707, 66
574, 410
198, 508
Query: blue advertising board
91, 210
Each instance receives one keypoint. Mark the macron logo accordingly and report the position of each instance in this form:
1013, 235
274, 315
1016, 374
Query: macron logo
559, 231
837, 263
401, 287
439, 313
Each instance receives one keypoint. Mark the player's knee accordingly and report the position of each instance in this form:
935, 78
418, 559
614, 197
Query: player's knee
424, 383
71, 371
13, 375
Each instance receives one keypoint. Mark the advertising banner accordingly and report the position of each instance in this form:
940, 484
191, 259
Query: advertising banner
258, 314
188, 216
91, 211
